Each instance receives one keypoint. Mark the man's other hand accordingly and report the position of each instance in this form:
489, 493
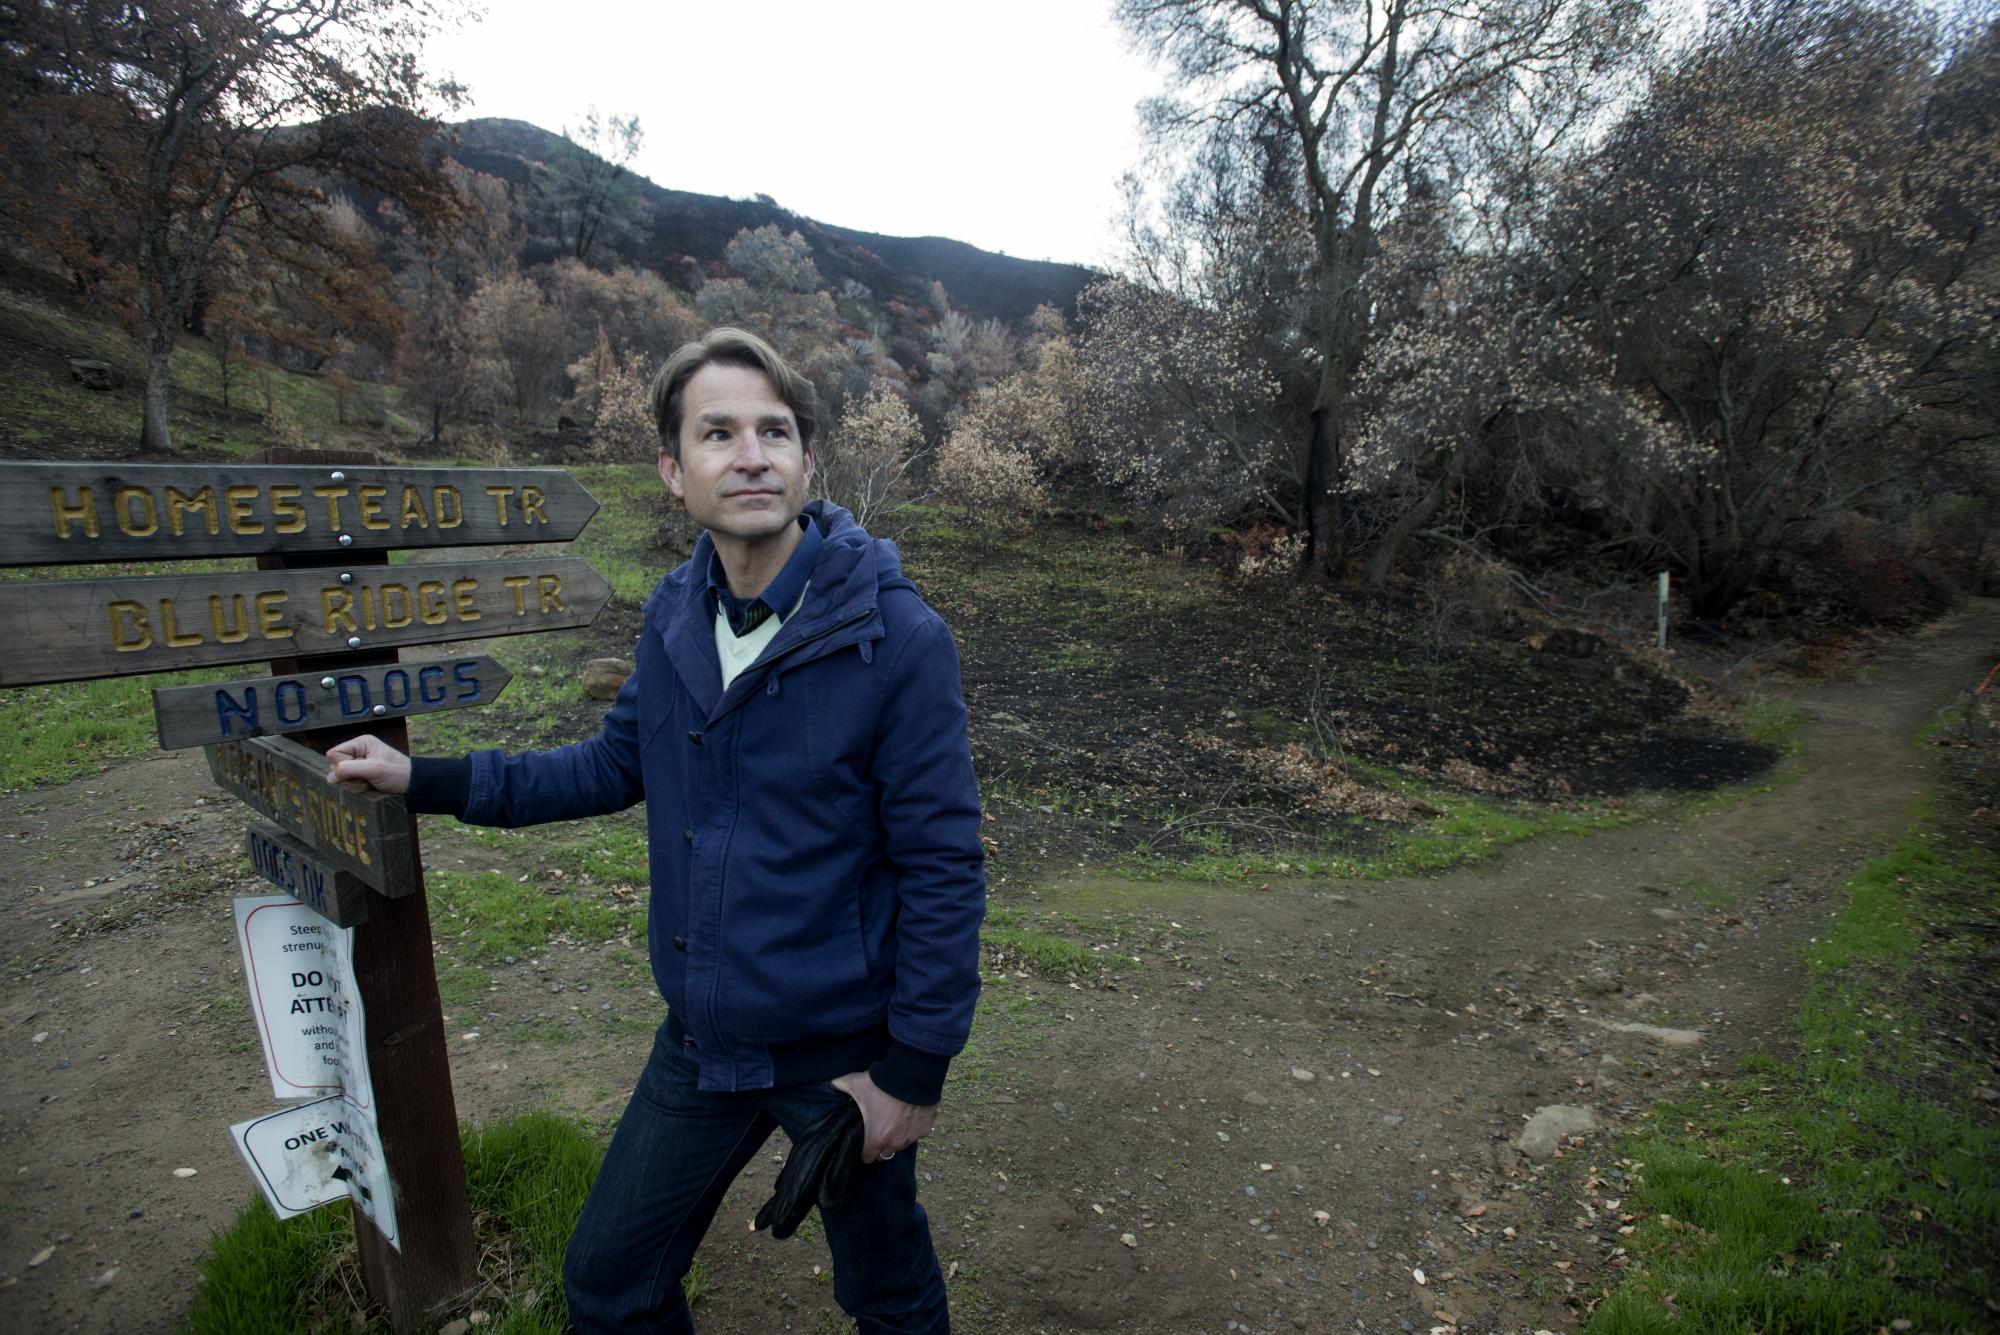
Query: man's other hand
361, 763
888, 1124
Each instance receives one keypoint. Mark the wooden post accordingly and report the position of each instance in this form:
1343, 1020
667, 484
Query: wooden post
1663, 611
437, 1267
329, 518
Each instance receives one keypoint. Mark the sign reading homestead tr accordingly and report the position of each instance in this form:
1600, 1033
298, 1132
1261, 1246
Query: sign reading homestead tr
341, 965
53, 514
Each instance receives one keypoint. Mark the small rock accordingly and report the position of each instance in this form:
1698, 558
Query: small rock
1599, 984
1665, 915
1255, 1100
1062, 1109
1302, 1075
1672, 1038
1545, 1131
458, 1327
603, 676
104, 1280
135, 1214
41, 1256
1987, 1094
1128, 1239
185, 1172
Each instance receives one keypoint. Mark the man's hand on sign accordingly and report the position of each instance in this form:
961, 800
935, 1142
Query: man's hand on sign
889, 1123
361, 763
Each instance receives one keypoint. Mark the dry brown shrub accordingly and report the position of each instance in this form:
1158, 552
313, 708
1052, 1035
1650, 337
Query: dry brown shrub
987, 475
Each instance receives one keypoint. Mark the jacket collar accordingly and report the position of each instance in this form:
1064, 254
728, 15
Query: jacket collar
840, 610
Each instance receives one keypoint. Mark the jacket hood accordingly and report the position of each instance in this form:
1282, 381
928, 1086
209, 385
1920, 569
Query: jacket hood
853, 566
842, 607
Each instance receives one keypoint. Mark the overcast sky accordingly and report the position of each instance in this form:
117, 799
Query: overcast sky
1005, 125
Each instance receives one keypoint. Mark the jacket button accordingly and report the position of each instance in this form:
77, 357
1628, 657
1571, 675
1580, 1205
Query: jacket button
695, 737
680, 943
688, 835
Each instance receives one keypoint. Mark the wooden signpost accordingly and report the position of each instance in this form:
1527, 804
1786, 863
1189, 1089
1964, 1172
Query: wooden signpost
328, 612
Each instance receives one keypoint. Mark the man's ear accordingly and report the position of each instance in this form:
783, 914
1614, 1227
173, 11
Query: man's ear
670, 473
809, 464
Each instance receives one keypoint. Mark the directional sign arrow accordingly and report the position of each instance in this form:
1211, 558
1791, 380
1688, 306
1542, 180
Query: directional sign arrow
75, 629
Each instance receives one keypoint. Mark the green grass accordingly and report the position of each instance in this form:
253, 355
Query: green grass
1857, 1185
1007, 934
1775, 723
489, 916
1470, 830
67, 729
619, 541
527, 1177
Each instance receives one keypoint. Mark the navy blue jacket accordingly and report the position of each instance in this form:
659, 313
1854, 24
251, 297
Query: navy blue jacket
818, 880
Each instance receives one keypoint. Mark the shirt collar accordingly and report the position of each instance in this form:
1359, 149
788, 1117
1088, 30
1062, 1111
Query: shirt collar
782, 592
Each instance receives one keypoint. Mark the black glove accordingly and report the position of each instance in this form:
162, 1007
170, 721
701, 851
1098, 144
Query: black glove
816, 1171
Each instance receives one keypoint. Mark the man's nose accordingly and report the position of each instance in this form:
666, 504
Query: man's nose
749, 456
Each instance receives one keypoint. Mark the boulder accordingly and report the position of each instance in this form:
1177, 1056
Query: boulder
93, 374
1550, 1126
603, 676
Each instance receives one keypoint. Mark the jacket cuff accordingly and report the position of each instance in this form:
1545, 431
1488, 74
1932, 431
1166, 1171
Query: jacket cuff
910, 1074
439, 785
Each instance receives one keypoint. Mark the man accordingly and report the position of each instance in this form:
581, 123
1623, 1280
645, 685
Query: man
795, 727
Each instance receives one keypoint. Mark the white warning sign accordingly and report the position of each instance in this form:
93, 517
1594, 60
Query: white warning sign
286, 964
307, 1004
293, 1155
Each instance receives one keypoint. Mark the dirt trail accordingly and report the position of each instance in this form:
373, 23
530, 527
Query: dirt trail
1431, 1015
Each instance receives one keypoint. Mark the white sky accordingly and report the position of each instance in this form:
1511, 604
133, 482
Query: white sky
1006, 125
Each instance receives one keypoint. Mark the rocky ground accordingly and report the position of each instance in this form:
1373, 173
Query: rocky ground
1301, 1108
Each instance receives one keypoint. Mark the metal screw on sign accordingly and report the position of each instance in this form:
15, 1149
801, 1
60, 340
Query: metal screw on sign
347, 539
346, 578
326, 683
339, 477
354, 641
380, 710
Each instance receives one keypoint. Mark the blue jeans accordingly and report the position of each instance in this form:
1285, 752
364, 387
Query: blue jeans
675, 1153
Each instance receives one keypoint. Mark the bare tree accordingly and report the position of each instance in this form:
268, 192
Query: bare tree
1354, 101
156, 133
588, 188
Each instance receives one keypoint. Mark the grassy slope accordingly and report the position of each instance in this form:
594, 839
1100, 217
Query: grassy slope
1856, 1186
44, 413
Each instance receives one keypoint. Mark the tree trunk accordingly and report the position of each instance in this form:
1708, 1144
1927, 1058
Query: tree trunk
153, 438
1382, 561
1326, 475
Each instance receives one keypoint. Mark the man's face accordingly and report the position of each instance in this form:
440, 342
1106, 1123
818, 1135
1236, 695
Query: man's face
743, 470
